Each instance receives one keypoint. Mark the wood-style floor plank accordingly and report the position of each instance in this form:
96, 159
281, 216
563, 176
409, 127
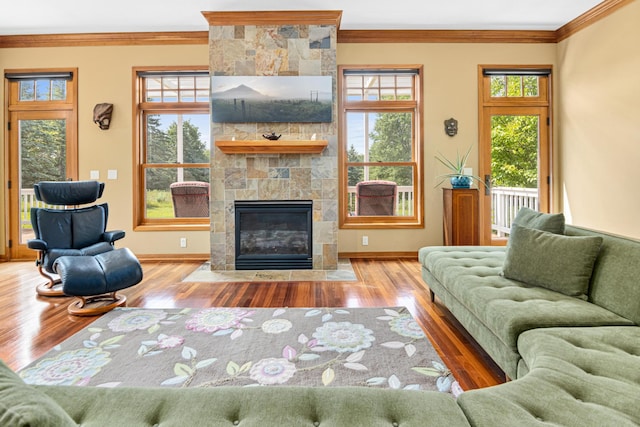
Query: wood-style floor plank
31, 325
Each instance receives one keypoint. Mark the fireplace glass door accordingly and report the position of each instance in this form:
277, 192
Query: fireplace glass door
273, 235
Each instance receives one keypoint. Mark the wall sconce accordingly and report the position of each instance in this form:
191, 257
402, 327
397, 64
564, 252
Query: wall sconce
451, 126
102, 115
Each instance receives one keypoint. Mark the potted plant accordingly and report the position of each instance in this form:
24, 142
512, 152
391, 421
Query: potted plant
456, 176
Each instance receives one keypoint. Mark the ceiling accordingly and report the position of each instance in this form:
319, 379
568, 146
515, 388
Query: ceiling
84, 16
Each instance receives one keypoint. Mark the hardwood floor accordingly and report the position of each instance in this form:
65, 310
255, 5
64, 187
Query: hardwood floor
31, 325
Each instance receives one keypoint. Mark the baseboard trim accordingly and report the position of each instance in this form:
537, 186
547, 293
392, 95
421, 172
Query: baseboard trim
378, 255
173, 257
206, 257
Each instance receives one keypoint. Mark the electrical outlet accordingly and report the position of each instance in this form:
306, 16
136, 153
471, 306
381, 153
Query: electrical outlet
365, 240
183, 242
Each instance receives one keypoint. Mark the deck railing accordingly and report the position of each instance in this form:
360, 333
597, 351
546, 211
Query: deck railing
506, 202
27, 201
404, 200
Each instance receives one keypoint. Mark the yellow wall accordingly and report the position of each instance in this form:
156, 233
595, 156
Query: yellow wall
597, 122
598, 90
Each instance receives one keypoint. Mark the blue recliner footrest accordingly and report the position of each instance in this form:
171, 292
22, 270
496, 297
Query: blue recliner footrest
98, 274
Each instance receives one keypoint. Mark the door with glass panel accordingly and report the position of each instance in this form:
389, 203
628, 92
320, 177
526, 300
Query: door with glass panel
514, 151
42, 147
39, 147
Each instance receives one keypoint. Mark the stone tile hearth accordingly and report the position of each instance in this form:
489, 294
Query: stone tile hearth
204, 273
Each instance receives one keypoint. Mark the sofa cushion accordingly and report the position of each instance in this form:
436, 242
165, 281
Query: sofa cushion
610, 353
560, 263
553, 223
258, 406
549, 397
24, 405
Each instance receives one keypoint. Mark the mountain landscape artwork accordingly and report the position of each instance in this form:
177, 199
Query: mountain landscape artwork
269, 99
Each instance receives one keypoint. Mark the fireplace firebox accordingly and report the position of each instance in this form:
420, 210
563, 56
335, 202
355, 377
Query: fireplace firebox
273, 235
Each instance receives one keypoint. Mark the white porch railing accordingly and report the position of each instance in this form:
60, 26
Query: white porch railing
506, 202
404, 200
27, 201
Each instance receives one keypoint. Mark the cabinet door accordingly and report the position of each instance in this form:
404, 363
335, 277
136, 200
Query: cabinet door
460, 217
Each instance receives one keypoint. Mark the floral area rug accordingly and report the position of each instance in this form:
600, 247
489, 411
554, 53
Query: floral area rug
369, 347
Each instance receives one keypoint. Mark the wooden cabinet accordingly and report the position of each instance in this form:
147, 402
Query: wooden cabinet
461, 225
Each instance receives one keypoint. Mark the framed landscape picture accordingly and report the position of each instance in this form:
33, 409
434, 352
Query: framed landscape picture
248, 99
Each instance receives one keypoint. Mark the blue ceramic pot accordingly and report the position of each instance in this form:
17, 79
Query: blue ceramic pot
461, 181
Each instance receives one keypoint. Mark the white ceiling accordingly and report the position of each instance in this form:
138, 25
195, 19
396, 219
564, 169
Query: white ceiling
90, 16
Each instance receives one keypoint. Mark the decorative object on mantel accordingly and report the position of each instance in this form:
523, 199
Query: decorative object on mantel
271, 136
451, 126
271, 147
457, 176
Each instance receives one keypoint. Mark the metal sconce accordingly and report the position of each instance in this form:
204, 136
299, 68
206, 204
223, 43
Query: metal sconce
451, 126
102, 115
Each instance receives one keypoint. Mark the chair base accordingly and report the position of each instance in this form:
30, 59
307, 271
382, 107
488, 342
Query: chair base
51, 289
96, 305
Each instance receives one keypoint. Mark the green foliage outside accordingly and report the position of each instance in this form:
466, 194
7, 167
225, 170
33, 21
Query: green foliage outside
43, 151
391, 138
159, 204
514, 151
162, 149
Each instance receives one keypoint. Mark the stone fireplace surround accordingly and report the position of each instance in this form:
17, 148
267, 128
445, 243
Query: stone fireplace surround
274, 43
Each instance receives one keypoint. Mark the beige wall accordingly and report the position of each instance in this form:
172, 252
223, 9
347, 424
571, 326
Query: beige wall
450, 90
598, 91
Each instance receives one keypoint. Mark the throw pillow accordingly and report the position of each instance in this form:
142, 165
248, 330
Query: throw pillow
553, 223
24, 405
561, 263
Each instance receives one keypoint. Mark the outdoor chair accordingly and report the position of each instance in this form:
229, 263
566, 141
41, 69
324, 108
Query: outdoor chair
190, 199
374, 198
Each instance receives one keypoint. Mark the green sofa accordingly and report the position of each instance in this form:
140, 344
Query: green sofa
566, 331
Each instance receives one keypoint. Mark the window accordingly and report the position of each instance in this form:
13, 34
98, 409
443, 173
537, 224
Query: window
173, 148
380, 147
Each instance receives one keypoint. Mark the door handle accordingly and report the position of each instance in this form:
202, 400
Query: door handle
487, 185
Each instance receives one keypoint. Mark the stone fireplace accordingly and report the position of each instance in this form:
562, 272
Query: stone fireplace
262, 44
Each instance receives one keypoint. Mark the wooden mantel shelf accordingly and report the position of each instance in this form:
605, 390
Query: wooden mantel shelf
271, 147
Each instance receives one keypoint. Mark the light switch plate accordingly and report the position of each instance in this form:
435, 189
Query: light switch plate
94, 174
112, 174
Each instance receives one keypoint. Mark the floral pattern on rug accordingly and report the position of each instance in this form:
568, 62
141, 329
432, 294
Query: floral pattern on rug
370, 347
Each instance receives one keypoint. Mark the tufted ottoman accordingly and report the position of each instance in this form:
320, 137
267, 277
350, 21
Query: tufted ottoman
95, 279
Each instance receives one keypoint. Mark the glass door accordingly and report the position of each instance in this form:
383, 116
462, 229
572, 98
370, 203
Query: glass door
39, 152
515, 173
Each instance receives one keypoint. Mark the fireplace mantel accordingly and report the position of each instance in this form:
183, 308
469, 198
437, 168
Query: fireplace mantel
271, 147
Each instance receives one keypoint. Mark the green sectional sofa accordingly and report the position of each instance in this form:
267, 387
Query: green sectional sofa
558, 310
567, 335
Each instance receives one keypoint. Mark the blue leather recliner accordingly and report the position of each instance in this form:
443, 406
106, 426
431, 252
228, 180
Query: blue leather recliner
72, 241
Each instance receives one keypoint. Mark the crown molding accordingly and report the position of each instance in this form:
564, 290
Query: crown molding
291, 17
105, 39
321, 17
445, 36
593, 15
